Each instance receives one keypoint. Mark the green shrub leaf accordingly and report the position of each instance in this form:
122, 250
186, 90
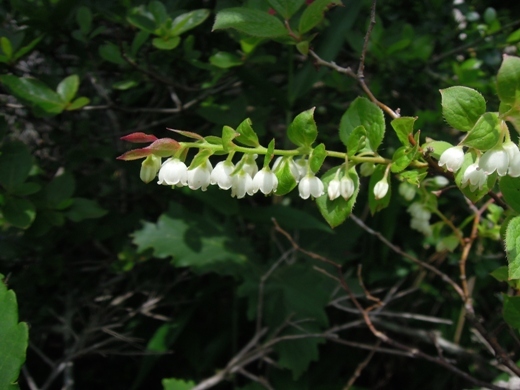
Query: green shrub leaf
250, 21
462, 107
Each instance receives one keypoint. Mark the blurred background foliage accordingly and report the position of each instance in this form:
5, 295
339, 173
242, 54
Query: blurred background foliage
124, 284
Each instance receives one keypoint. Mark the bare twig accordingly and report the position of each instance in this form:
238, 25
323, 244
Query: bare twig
361, 68
361, 366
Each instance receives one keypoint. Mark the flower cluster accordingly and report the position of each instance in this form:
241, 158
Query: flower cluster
420, 218
242, 178
504, 159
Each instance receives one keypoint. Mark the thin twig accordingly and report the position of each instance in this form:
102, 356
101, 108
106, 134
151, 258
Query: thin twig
361, 68
361, 366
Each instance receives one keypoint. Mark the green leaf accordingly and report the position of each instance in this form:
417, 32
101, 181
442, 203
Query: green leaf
84, 19
356, 140
303, 47
508, 80
35, 92
286, 8
337, 211
143, 21
5, 44
486, 132
158, 12
60, 189
14, 338
140, 38
187, 21
314, 14
26, 49
247, 135
402, 158
403, 127
269, 154
510, 188
27, 188
166, 43
362, 112
286, 181
501, 274
317, 157
111, 53
511, 311
303, 131
177, 384
84, 209
190, 239
228, 135
19, 212
414, 177
78, 103
125, 84
68, 87
15, 164
462, 107
250, 21
225, 60
474, 196
378, 204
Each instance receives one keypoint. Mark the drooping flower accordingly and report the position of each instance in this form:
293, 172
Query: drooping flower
514, 158
221, 175
420, 218
347, 187
199, 177
334, 189
242, 184
381, 188
474, 176
407, 190
496, 159
452, 158
310, 185
173, 172
149, 168
265, 181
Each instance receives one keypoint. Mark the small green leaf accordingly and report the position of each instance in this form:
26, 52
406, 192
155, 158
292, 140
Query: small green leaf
68, 87
26, 49
247, 135
250, 21
269, 154
125, 84
60, 189
303, 47
314, 14
225, 60
501, 274
362, 112
111, 53
486, 132
286, 181
414, 177
140, 38
19, 212
402, 158
403, 127
337, 211
378, 204
317, 157
35, 92
508, 80
14, 338
462, 107
303, 131
82, 208
286, 8
188, 21
167, 43
84, 19
228, 135
142, 20
356, 140
200, 158
511, 311
158, 12
510, 188
5, 44
25, 189
177, 384
78, 103
15, 164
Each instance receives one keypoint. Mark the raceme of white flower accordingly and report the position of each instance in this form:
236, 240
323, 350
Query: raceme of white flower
265, 181
221, 175
475, 176
199, 177
343, 187
173, 172
381, 188
310, 185
420, 218
452, 158
407, 190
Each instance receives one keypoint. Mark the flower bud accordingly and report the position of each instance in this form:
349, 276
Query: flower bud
407, 190
381, 188
367, 169
149, 168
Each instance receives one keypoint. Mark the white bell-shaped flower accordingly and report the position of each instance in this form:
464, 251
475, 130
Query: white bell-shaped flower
496, 159
474, 176
265, 181
347, 187
452, 158
173, 172
334, 189
381, 188
242, 184
310, 185
221, 175
514, 158
199, 177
